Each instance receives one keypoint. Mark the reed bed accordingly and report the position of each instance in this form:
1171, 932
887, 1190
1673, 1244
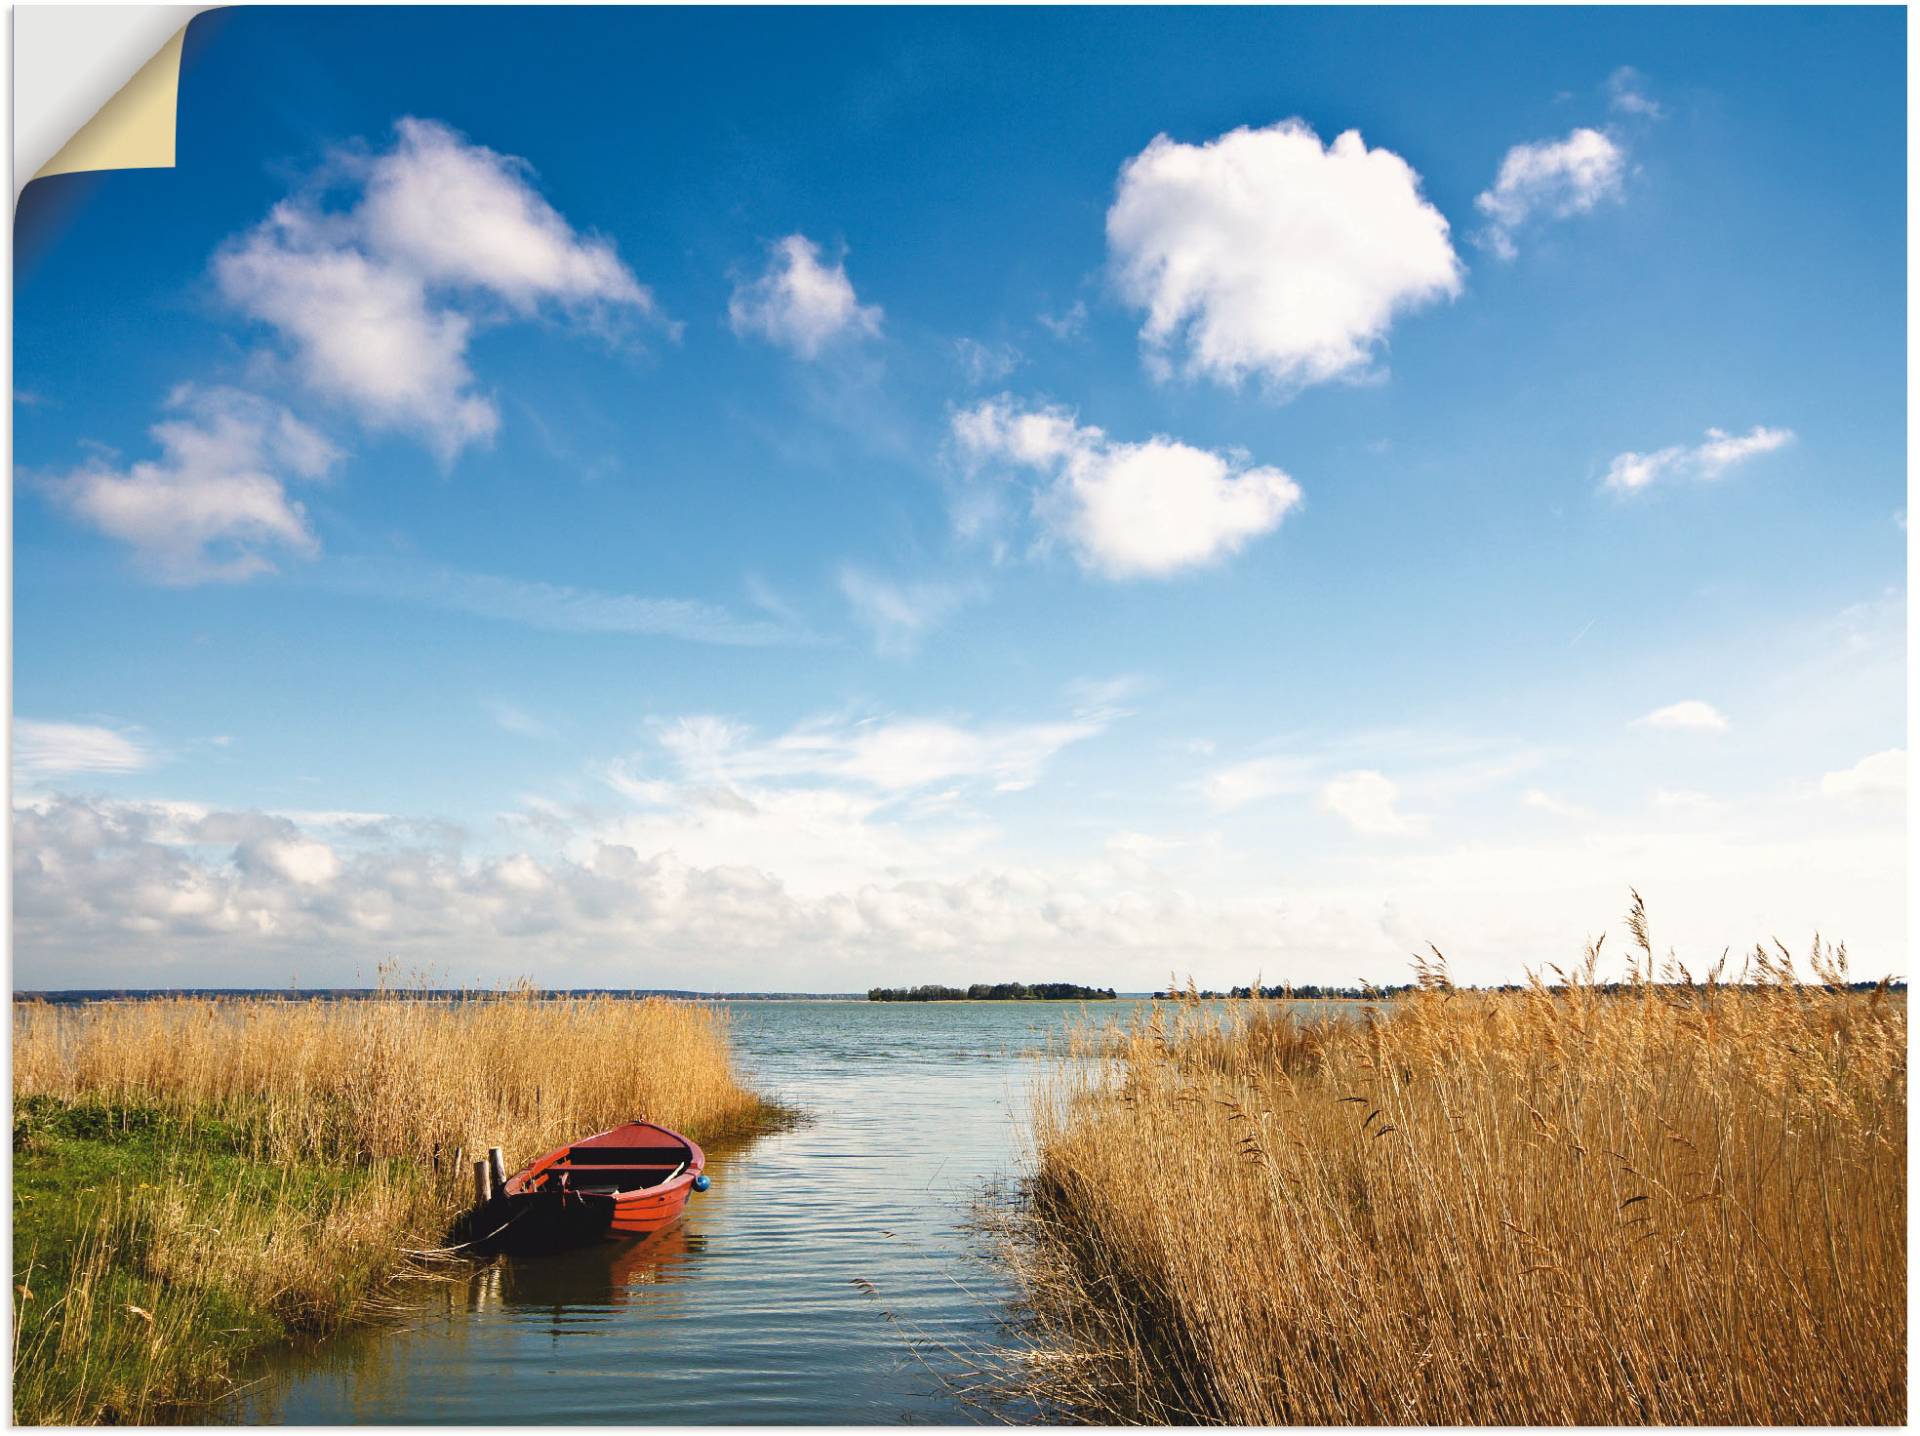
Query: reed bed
395, 1077
196, 1178
1677, 1202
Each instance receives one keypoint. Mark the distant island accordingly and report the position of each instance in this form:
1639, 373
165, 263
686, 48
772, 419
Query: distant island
994, 992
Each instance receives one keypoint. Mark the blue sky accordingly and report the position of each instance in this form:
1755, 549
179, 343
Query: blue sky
794, 500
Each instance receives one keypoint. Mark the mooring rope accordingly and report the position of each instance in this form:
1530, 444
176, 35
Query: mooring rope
449, 1251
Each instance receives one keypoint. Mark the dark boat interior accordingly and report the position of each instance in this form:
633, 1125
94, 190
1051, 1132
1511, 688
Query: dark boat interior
593, 1167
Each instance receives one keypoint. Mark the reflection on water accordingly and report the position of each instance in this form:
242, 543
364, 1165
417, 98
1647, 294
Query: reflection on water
820, 1280
595, 1280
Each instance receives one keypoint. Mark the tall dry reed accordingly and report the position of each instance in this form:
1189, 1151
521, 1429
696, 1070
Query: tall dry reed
1667, 1202
397, 1077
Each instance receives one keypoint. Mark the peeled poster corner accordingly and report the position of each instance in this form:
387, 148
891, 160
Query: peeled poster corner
96, 87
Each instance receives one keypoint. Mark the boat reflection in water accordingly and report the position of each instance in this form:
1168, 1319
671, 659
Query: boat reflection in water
570, 1292
588, 1282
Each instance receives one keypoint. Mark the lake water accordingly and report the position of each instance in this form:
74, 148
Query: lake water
823, 1278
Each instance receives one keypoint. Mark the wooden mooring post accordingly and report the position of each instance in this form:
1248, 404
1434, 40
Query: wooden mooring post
482, 1182
497, 1167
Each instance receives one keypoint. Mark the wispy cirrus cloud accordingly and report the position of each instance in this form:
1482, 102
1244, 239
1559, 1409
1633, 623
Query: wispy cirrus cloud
563, 608
1627, 93
43, 749
1238, 784
900, 615
1690, 715
511, 718
1708, 460
893, 754
1066, 325
985, 363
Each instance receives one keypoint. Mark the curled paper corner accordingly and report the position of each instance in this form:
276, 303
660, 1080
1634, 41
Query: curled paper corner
96, 87
135, 129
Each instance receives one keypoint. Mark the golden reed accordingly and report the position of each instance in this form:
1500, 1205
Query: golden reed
398, 1076
1665, 1202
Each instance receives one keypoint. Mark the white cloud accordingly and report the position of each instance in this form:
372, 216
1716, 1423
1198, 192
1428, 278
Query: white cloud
836, 804
1690, 715
1548, 803
363, 333
1877, 775
1128, 510
807, 883
214, 505
1369, 802
799, 303
137, 890
299, 860
1709, 459
380, 301
1559, 178
461, 215
1627, 93
46, 748
900, 615
1262, 253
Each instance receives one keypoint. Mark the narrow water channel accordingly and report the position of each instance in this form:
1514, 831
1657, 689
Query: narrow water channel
823, 1279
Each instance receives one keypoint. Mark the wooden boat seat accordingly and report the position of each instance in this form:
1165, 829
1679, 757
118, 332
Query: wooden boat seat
599, 1167
612, 1176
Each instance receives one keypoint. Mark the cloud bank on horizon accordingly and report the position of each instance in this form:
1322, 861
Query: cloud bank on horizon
709, 575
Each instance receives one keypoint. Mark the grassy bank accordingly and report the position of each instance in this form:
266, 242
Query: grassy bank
1681, 1203
195, 1179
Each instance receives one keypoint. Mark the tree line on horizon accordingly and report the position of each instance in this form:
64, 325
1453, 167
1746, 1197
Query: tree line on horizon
993, 992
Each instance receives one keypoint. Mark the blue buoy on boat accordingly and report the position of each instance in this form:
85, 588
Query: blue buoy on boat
702, 1182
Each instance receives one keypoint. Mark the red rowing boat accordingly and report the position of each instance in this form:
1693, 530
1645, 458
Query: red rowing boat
627, 1182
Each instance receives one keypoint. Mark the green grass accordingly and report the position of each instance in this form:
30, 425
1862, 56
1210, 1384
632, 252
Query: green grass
104, 1332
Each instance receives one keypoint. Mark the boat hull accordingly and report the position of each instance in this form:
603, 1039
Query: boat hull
571, 1219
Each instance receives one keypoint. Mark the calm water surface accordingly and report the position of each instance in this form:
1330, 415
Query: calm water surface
750, 1310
